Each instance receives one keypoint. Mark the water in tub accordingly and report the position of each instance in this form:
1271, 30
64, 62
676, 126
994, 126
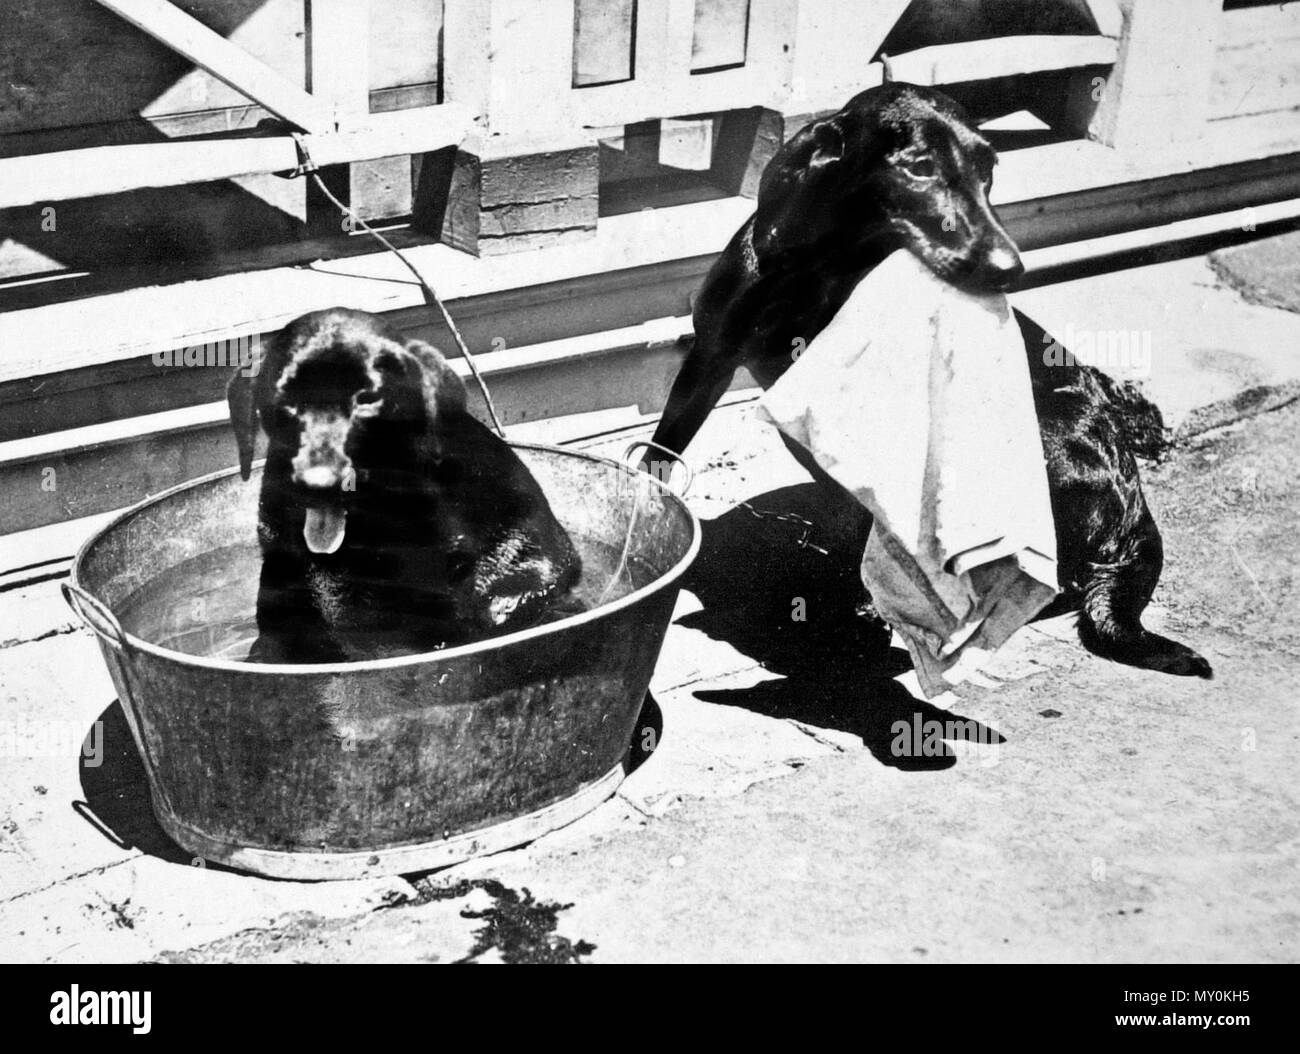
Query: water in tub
207, 606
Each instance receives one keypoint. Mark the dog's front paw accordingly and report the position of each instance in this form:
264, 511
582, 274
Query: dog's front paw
1187, 663
1181, 660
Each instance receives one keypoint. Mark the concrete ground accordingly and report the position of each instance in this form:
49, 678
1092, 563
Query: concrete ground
1075, 809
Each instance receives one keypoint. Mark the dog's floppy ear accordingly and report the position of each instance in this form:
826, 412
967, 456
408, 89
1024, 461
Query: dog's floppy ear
791, 207
241, 394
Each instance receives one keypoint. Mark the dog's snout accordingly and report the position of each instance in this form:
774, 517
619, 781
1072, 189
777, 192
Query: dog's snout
322, 461
322, 470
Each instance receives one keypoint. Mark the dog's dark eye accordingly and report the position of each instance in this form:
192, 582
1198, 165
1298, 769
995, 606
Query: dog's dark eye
921, 168
367, 404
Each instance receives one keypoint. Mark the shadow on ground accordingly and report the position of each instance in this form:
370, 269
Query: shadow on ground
117, 795
647, 735
782, 592
116, 789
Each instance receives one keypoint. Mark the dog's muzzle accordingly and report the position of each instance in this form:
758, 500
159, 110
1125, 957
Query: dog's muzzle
322, 460
322, 465
320, 477
1001, 267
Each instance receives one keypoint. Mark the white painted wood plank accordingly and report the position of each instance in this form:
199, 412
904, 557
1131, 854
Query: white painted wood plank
1257, 65
832, 52
138, 322
1158, 92
111, 433
1001, 57
530, 70
338, 58
404, 43
1069, 253
151, 319
628, 340
43, 178
466, 69
1107, 16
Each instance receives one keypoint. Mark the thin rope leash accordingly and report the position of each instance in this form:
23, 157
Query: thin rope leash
625, 557
787, 517
310, 168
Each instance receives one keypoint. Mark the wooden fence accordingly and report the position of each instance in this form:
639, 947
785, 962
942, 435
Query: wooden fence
492, 126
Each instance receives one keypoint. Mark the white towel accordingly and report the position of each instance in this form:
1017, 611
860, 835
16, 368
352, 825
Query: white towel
916, 398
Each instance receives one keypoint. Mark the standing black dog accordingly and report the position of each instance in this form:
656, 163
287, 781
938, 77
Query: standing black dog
390, 519
902, 167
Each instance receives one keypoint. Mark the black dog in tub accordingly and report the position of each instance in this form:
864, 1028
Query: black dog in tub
390, 519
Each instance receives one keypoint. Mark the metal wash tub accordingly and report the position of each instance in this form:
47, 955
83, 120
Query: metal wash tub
399, 764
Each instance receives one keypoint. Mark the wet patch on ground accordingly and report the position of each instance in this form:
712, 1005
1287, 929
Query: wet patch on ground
479, 920
1266, 272
519, 928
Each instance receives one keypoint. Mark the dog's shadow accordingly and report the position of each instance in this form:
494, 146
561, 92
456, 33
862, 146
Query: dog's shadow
778, 581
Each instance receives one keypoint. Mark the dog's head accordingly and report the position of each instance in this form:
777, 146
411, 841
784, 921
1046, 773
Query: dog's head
335, 391
900, 166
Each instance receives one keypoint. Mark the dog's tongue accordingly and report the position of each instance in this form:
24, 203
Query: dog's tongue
323, 530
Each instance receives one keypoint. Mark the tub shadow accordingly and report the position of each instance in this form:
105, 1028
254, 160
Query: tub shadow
116, 793
647, 734
787, 594
116, 789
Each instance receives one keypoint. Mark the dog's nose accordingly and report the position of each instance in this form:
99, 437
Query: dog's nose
1003, 266
319, 476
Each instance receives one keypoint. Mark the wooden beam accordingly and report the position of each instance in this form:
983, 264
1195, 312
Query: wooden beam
42, 178
466, 74
1108, 17
504, 329
831, 51
1158, 91
1001, 57
338, 57
209, 50
1257, 66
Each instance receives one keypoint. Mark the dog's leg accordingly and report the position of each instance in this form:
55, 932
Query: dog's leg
701, 383
1114, 597
289, 625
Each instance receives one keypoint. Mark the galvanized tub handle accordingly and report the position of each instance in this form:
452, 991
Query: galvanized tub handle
95, 615
672, 455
